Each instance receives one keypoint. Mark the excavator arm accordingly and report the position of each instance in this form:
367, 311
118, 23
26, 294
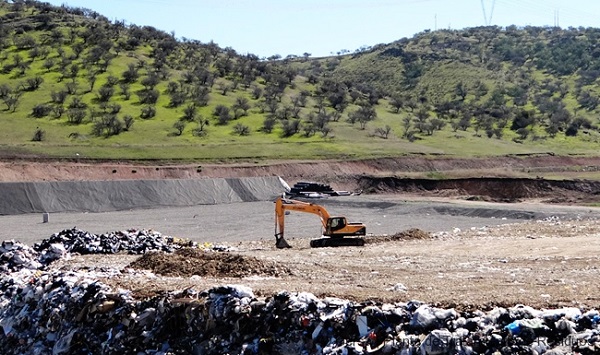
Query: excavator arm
283, 205
334, 227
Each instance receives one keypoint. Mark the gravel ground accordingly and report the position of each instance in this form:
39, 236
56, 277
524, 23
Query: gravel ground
250, 221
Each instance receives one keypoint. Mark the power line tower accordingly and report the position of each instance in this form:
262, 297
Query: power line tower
488, 19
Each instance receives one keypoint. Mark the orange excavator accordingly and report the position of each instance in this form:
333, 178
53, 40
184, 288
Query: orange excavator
336, 229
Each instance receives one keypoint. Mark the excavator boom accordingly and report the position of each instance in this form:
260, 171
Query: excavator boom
335, 228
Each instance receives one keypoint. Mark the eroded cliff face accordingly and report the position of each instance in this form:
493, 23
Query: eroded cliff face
330, 171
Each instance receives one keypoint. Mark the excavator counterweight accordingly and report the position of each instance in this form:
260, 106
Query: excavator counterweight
335, 229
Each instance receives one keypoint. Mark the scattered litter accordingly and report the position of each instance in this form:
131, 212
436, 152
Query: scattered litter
46, 311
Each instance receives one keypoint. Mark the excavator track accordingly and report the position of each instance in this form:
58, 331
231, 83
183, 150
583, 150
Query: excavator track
337, 242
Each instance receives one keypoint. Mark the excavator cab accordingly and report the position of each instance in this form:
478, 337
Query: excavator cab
334, 224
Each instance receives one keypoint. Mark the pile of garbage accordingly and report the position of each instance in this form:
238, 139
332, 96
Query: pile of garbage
132, 241
61, 312
66, 312
15, 255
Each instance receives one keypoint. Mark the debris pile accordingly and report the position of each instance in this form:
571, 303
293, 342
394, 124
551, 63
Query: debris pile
15, 256
131, 241
409, 234
68, 312
187, 262
55, 311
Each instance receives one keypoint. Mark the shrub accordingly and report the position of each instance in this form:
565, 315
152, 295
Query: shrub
38, 135
41, 110
148, 112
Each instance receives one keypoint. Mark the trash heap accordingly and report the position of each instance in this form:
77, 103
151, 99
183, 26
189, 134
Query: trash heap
132, 241
15, 255
46, 311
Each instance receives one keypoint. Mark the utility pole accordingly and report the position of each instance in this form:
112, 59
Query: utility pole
487, 20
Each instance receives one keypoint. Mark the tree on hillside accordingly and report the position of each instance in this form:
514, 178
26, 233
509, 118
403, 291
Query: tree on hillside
201, 122
523, 119
558, 122
190, 112
48, 64
148, 112
105, 93
461, 91
422, 120
241, 104
107, 125
76, 115
11, 100
241, 129
268, 124
41, 110
125, 92
148, 96
587, 100
256, 92
363, 115
397, 102
200, 95
38, 135
480, 89
383, 132
179, 127
34, 83
223, 87
406, 125
290, 127
150, 81
91, 79
222, 114
131, 74
462, 121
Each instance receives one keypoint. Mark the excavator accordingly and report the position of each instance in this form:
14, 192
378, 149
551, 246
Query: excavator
335, 228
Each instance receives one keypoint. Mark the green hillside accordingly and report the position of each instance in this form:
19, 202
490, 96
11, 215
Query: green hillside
75, 84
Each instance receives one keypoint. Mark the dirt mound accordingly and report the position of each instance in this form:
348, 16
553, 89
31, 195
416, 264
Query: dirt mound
188, 261
489, 189
409, 234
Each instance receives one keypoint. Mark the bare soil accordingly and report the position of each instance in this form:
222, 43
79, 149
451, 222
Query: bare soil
188, 262
539, 263
542, 264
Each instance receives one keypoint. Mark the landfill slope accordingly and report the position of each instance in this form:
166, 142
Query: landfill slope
105, 196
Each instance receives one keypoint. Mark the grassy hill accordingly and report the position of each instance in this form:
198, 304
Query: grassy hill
74, 84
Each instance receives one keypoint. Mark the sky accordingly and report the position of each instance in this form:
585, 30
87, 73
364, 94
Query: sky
326, 27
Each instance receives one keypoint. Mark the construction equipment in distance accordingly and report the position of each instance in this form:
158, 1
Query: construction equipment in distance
335, 228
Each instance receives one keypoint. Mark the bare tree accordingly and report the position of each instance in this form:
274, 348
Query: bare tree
383, 132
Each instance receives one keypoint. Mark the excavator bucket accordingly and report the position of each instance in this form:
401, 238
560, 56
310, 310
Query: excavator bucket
281, 243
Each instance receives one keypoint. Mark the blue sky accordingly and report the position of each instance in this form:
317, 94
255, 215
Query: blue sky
325, 27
